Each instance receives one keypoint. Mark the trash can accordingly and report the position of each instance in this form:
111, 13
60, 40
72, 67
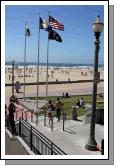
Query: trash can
101, 116
97, 116
74, 112
17, 86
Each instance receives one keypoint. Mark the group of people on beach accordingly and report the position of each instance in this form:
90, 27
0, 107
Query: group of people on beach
65, 95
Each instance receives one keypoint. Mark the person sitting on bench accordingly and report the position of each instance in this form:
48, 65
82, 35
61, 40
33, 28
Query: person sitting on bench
82, 103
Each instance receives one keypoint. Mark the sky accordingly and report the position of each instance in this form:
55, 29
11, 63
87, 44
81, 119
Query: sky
78, 39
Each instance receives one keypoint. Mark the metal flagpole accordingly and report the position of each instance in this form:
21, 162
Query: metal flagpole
13, 64
38, 63
24, 60
47, 69
47, 64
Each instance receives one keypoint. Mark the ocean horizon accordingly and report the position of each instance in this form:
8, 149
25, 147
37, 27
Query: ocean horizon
7, 63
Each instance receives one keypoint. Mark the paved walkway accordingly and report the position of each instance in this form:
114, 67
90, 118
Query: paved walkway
74, 137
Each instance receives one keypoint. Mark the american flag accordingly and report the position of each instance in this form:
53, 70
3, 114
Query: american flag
55, 24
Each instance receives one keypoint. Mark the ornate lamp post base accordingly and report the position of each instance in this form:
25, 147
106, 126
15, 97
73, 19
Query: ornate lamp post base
91, 145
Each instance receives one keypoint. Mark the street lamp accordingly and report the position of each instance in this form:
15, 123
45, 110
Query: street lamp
97, 29
13, 64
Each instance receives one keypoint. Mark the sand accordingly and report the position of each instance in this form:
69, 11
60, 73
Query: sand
60, 74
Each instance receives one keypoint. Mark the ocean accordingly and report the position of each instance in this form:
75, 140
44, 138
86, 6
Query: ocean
62, 65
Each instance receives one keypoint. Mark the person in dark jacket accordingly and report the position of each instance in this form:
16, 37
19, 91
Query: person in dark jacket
12, 110
58, 108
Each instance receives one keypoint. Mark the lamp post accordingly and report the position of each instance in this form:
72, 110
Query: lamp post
97, 29
13, 63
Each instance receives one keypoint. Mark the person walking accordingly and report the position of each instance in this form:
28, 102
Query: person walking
12, 110
50, 111
58, 108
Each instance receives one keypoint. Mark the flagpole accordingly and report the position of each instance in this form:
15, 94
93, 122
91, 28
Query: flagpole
24, 61
47, 63
38, 63
47, 69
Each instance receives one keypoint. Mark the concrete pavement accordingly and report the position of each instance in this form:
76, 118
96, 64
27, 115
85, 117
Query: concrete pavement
74, 137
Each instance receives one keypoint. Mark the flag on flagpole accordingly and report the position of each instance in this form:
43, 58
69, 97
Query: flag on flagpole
43, 24
27, 31
53, 35
55, 24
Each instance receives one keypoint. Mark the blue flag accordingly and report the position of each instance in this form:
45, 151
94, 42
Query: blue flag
43, 24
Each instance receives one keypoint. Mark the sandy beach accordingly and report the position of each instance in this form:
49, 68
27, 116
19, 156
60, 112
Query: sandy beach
60, 74
54, 73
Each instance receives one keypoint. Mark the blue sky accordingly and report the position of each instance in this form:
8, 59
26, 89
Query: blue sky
78, 37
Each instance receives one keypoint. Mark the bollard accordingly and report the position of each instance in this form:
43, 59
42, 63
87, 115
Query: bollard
51, 148
44, 117
31, 139
63, 120
36, 120
65, 115
37, 115
22, 113
32, 116
26, 115
20, 126
52, 124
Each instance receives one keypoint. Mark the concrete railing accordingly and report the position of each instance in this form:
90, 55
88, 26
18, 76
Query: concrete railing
55, 82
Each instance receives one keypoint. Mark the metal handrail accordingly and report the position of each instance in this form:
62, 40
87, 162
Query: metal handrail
45, 142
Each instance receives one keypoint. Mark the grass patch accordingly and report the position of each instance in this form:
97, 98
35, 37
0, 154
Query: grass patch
68, 102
